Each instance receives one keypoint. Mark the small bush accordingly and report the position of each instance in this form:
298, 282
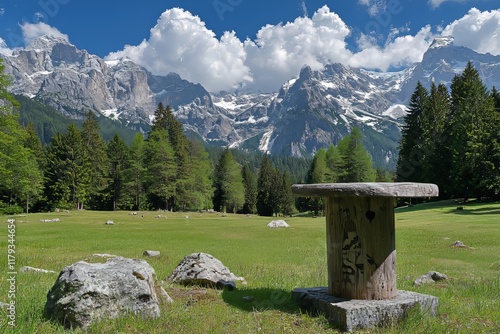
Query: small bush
10, 210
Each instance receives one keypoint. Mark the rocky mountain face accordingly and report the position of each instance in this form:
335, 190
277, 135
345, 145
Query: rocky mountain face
311, 111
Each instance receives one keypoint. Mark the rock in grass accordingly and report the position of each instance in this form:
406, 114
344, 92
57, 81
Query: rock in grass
277, 224
88, 292
204, 270
36, 270
151, 253
459, 244
430, 277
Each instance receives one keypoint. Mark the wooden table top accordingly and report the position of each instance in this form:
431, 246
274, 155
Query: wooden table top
367, 189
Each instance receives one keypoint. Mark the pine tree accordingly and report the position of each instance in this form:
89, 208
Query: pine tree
411, 147
117, 152
67, 179
96, 160
318, 173
197, 192
265, 184
160, 118
333, 163
436, 159
286, 198
468, 132
20, 175
160, 176
250, 186
228, 183
133, 192
356, 162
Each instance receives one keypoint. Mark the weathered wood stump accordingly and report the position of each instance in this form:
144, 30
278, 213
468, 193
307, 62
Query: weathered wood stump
360, 227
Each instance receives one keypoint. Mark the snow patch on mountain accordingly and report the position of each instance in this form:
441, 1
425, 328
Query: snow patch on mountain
396, 111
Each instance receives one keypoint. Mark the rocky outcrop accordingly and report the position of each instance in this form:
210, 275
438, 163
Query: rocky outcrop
88, 292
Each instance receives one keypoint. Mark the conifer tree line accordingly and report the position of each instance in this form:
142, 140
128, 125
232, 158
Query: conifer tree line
349, 161
164, 170
452, 138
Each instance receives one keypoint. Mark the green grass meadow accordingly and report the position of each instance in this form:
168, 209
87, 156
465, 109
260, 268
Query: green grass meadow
273, 262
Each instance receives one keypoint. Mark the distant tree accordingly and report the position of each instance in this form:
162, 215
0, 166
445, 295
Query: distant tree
228, 184
66, 178
96, 161
265, 191
495, 94
250, 186
382, 175
436, 159
318, 173
469, 126
286, 197
160, 118
333, 163
117, 152
133, 191
197, 192
356, 163
160, 175
411, 147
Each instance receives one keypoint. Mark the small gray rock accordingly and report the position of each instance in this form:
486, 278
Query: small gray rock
151, 253
430, 277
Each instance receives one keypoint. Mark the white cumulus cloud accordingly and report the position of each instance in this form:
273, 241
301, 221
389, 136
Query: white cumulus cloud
398, 51
280, 51
2, 11
32, 31
4, 49
374, 6
181, 43
477, 30
436, 3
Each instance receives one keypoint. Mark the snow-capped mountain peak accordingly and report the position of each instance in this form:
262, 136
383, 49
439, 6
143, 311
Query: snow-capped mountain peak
441, 42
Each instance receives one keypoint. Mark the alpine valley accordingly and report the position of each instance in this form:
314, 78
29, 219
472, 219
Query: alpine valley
310, 111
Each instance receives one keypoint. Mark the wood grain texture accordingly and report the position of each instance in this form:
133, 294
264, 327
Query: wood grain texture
367, 189
361, 247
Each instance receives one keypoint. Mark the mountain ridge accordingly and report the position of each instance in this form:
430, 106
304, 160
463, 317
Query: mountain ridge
308, 112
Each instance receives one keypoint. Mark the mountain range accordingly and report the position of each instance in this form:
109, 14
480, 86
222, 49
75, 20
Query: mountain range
308, 112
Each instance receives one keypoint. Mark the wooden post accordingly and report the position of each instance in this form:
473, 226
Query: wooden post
361, 247
360, 235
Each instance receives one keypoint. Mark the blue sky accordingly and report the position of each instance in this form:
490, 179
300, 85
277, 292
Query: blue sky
272, 40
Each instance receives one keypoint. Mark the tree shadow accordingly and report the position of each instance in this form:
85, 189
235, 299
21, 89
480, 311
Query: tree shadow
464, 210
261, 299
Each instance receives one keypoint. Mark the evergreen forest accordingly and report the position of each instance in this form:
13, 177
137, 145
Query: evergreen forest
47, 163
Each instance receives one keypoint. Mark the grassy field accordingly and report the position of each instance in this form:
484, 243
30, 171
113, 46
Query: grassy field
273, 262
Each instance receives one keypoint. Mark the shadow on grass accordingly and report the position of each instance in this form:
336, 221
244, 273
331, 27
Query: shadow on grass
490, 210
261, 299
